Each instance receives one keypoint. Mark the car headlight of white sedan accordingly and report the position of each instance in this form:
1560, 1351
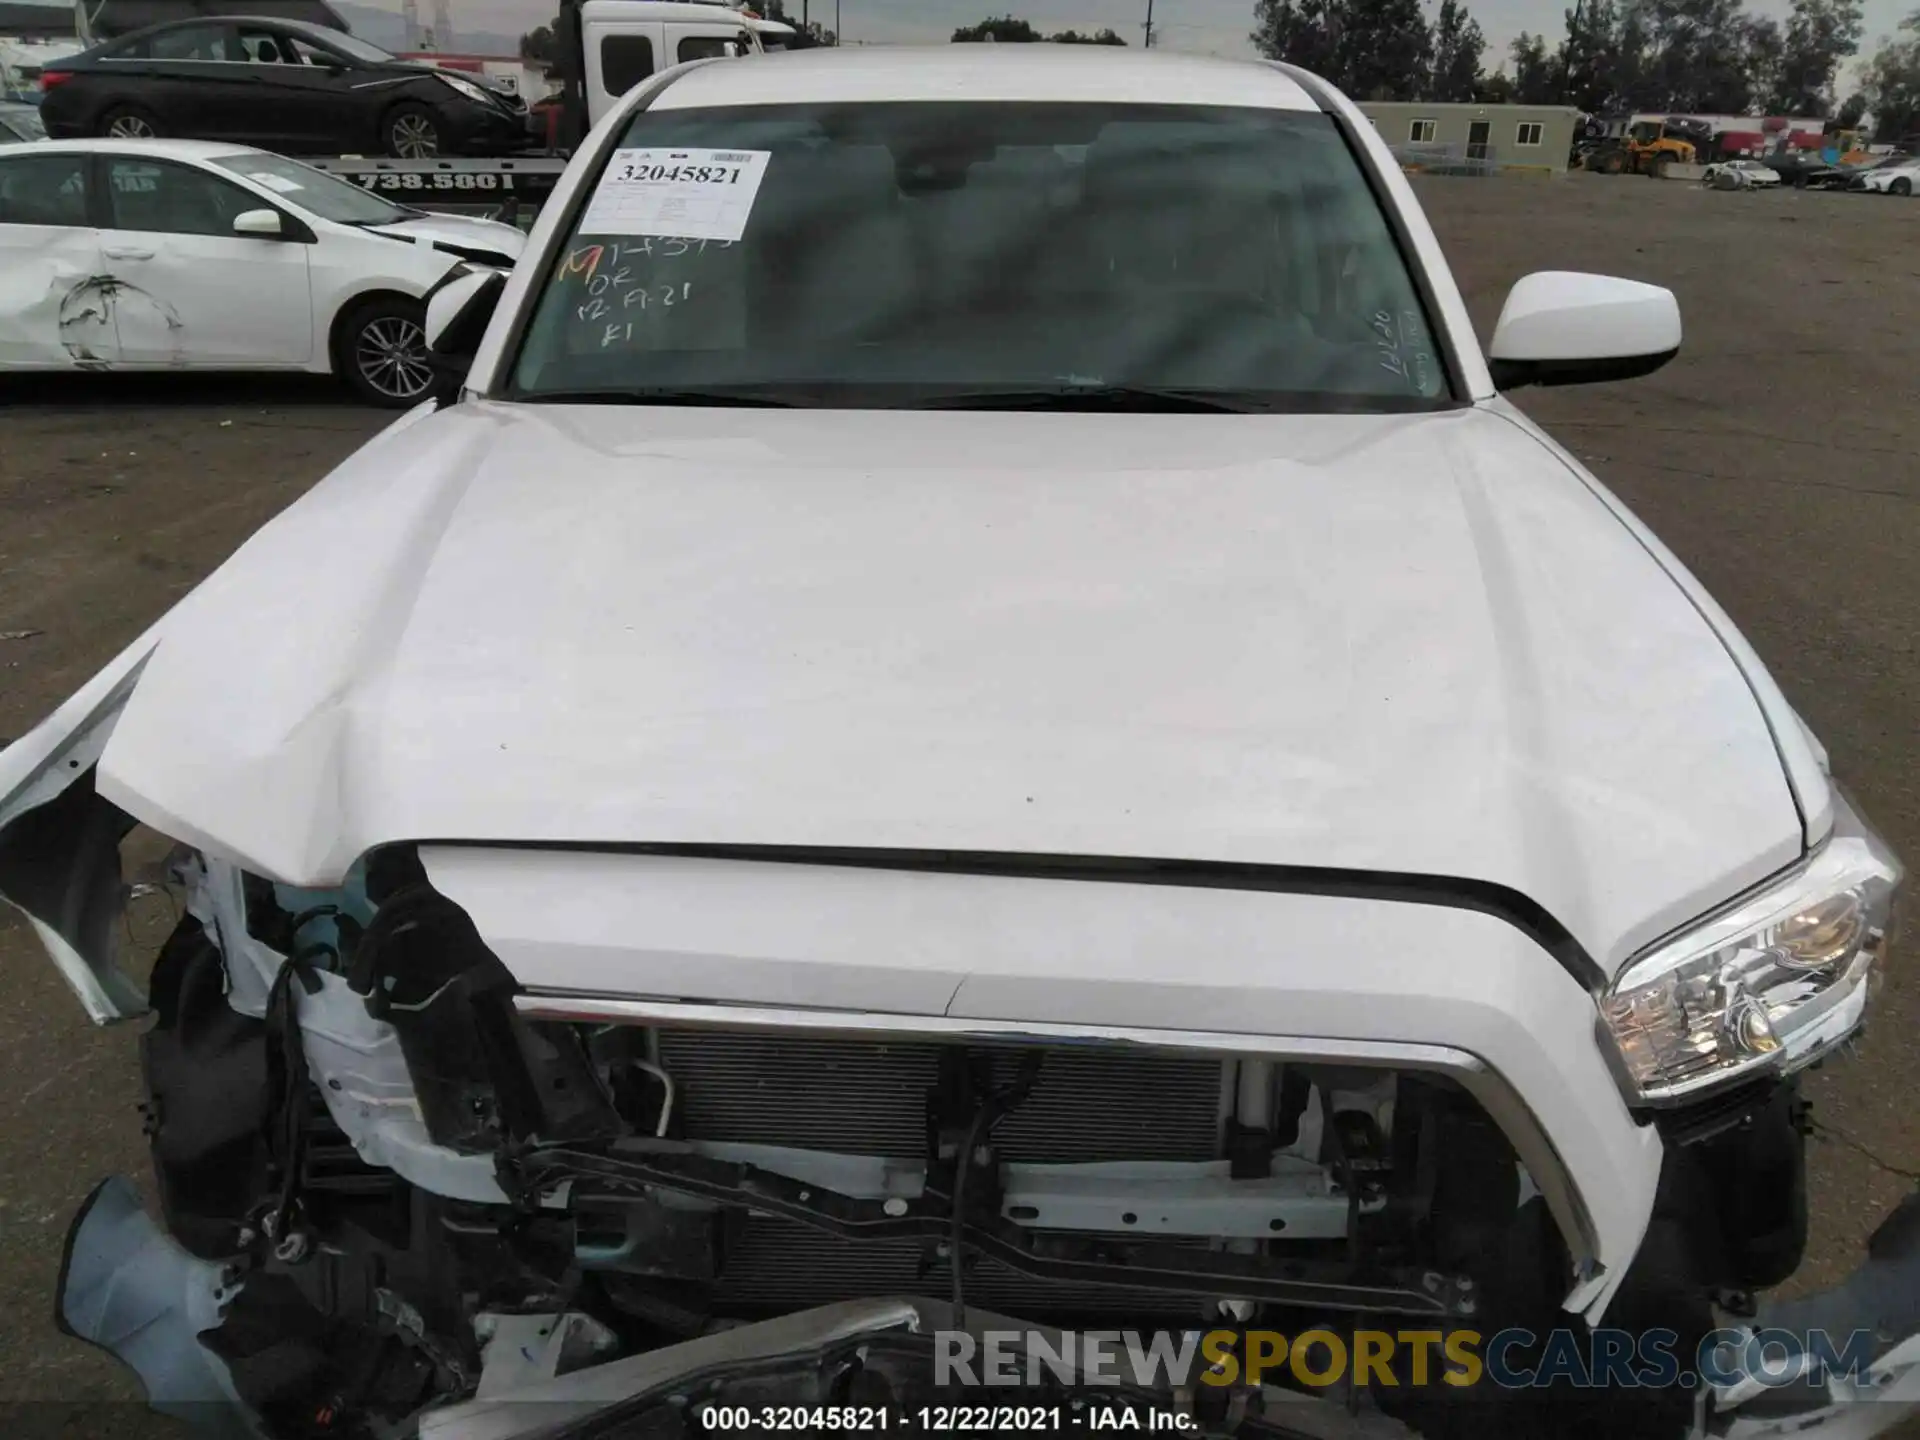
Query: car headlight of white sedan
1766, 985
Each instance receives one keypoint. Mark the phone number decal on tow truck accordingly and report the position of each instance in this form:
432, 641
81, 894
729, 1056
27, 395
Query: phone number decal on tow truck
436, 180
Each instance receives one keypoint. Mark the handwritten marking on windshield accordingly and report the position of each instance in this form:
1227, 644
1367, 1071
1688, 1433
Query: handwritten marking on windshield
1401, 342
585, 261
661, 297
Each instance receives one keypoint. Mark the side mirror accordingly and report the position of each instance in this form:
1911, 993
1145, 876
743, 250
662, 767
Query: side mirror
261, 224
459, 310
1561, 327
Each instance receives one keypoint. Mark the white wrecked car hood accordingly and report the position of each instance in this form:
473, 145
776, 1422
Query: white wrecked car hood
1404, 644
466, 231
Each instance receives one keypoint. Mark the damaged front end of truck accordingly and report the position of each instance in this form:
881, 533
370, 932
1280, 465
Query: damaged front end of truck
403, 1189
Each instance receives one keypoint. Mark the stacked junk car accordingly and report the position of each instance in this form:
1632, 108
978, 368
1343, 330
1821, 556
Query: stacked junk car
687, 921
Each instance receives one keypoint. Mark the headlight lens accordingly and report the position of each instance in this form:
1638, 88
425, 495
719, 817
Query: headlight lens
1769, 984
467, 88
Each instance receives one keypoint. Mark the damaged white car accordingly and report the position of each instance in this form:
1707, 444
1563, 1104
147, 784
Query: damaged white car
979, 717
184, 254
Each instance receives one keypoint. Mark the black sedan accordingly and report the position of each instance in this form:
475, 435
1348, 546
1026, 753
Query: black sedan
1799, 168
278, 84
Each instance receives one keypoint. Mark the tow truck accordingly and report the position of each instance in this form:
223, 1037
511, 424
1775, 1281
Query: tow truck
606, 48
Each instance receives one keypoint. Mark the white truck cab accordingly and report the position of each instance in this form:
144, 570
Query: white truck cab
624, 42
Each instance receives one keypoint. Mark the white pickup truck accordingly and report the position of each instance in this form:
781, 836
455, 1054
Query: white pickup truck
981, 726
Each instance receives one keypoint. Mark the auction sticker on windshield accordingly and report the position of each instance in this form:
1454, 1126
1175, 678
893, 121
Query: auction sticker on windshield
687, 194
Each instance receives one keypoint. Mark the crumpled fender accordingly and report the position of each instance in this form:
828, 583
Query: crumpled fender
66, 801
59, 857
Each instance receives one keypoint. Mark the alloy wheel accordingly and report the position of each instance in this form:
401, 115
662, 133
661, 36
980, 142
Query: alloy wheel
414, 138
131, 127
391, 355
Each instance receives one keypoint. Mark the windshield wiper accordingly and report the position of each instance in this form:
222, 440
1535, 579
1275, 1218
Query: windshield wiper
656, 395
1143, 399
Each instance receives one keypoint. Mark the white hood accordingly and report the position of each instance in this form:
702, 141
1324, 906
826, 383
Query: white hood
1399, 644
466, 231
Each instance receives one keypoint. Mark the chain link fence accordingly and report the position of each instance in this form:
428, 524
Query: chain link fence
1435, 157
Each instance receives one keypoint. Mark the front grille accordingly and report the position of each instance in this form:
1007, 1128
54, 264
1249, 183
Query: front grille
864, 1097
867, 1098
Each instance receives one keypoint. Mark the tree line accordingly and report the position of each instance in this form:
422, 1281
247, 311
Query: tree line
1004, 29
1702, 56
542, 46
1614, 56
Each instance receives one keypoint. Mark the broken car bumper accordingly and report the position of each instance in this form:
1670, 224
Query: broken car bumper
127, 1288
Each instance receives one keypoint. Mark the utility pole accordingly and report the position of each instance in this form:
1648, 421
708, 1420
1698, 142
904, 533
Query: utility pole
836, 22
1149, 40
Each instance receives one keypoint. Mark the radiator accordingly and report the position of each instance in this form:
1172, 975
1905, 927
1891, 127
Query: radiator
868, 1098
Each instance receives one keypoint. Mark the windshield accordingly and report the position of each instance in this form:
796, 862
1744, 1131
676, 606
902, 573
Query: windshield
324, 195
920, 253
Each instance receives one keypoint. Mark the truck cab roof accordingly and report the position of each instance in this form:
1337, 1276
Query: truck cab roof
689, 10
984, 72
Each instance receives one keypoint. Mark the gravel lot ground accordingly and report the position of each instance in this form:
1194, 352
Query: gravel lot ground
1779, 456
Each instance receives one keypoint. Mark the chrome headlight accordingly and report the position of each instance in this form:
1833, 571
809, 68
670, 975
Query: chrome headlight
467, 89
1768, 984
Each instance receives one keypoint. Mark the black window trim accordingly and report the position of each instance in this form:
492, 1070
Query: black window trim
247, 25
339, 57
742, 38
226, 23
293, 230
653, 62
284, 35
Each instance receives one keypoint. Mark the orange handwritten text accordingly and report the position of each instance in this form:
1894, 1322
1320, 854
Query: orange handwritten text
583, 261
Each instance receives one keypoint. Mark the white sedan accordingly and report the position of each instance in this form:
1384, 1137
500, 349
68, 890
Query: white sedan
171, 254
1894, 176
1740, 175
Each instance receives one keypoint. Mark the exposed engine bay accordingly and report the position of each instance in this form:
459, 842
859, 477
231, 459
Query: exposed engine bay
348, 1110
402, 1195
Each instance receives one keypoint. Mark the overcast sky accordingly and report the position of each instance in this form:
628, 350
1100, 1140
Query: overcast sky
1215, 26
